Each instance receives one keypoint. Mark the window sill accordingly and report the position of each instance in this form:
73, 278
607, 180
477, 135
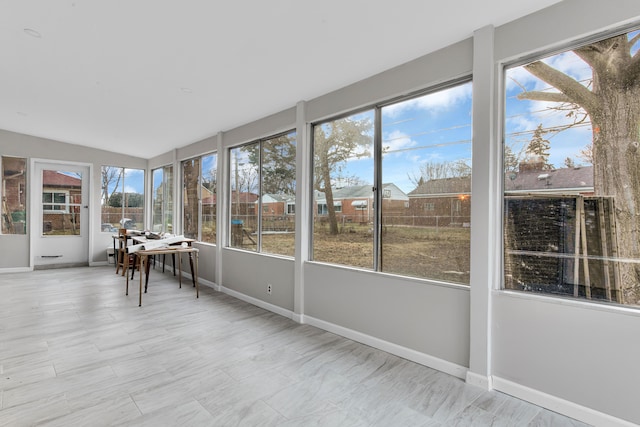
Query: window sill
570, 302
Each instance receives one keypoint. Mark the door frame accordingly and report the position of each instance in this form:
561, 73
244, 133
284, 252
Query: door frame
35, 201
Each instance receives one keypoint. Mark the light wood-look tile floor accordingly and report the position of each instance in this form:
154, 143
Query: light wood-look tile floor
75, 351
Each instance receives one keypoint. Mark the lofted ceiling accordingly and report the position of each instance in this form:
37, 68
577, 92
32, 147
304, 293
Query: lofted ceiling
143, 77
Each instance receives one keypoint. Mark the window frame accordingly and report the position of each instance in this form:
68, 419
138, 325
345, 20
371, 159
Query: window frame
200, 205
122, 185
21, 198
378, 183
259, 208
541, 55
166, 205
49, 207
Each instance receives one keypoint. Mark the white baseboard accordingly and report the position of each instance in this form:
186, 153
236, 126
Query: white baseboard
255, 301
478, 380
15, 270
398, 350
298, 318
100, 264
556, 404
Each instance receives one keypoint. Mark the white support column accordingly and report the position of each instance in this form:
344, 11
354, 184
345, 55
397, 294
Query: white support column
303, 226
222, 211
485, 208
177, 195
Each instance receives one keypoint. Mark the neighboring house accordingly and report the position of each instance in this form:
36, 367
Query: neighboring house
442, 202
355, 204
279, 206
451, 197
61, 199
243, 203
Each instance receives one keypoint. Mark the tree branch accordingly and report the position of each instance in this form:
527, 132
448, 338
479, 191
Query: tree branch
536, 95
577, 93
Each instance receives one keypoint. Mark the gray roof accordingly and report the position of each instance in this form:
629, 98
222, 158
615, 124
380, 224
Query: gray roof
363, 192
568, 179
580, 179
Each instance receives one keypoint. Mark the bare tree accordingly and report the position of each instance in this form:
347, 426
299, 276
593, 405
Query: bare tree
440, 170
612, 103
333, 144
111, 176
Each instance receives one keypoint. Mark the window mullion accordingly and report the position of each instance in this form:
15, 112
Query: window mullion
259, 212
377, 190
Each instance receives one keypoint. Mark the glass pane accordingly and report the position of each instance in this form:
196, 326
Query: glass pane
278, 195
133, 206
157, 200
14, 196
426, 195
111, 200
209, 180
190, 182
244, 168
62, 193
168, 200
570, 178
343, 191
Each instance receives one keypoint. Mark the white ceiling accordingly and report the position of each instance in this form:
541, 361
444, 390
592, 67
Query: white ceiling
143, 77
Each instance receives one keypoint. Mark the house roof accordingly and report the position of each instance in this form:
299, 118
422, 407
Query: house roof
275, 198
364, 192
56, 179
527, 181
580, 178
443, 186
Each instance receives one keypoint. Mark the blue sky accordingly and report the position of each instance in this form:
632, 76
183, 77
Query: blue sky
432, 128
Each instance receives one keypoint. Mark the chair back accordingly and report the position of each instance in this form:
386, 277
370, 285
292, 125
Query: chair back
122, 238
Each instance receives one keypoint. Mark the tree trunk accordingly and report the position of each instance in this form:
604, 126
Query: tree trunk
616, 160
328, 194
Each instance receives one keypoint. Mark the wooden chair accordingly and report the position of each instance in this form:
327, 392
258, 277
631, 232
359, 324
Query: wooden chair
124, 259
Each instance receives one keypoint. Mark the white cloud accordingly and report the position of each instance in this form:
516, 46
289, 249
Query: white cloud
434, 102
397, 140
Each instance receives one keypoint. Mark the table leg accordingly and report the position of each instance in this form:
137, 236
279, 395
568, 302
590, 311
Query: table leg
179, 268
146, 273
142, 262
193, 277
196, 276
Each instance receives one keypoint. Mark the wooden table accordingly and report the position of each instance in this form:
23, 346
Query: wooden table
178, 240
144, 255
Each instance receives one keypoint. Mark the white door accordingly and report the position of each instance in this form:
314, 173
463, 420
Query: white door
60, 227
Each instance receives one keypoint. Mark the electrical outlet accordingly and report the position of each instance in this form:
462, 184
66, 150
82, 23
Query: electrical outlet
269, 288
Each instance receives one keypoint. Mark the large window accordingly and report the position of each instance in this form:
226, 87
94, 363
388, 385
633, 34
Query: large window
14, 195
263, 186
122, 198
392, 187
571, 187
162, 200
199, 198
